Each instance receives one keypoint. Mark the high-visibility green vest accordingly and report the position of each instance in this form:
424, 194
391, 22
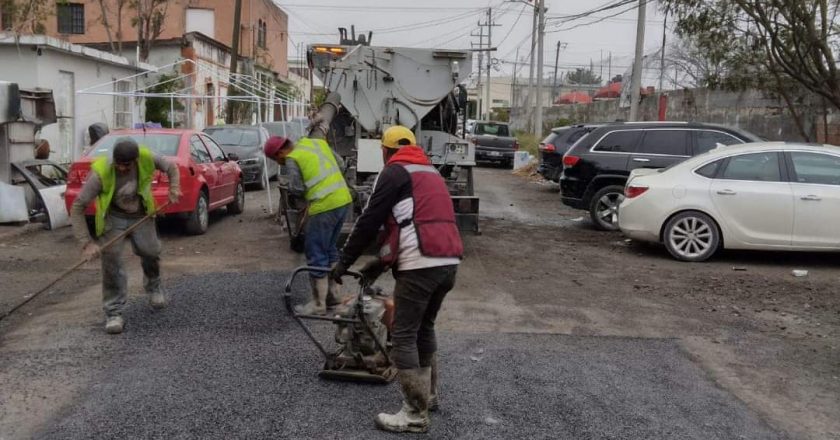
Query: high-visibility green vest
105, 170
325, 186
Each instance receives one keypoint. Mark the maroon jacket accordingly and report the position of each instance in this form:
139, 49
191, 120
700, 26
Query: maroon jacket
411, 200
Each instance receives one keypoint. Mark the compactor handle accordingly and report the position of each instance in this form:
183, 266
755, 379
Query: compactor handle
288, 287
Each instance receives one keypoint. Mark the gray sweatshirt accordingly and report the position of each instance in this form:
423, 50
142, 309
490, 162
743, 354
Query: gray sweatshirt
126, 201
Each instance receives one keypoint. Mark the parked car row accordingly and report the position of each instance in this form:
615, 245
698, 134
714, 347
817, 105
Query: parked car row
214, 166
697, 188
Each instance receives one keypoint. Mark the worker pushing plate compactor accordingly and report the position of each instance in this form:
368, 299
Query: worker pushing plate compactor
370, 89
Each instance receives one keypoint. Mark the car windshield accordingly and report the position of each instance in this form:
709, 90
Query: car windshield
491, 129
162, 144
243, 137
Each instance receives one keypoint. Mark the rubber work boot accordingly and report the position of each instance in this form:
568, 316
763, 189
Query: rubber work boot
318, 305
414, 415
157, 300
333, 294
114, 325
431, 361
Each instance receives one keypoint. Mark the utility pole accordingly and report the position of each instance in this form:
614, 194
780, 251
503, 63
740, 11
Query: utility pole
609, 69
529, 97
636, 83
556, 61
478, 98
662, 55
513, 86
234, 59
601, 64
489, 23
538, 124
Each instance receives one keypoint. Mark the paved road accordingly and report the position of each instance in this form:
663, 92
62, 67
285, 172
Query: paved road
584, 336
224, 361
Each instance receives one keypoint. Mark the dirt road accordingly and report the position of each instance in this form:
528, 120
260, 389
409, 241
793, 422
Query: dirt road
604, 337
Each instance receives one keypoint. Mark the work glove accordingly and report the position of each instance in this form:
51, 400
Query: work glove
372, 270
174, 195
337, 272
90, 251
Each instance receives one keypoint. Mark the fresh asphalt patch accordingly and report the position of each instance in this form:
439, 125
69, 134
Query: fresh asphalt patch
225, 361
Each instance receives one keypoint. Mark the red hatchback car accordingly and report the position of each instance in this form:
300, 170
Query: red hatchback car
210, 179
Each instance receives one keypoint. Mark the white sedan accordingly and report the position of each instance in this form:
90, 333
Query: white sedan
769, 195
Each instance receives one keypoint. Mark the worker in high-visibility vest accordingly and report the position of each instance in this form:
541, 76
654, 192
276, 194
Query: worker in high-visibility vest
314, 173
121, 186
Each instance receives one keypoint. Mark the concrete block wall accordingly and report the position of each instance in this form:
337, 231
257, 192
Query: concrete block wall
753, 111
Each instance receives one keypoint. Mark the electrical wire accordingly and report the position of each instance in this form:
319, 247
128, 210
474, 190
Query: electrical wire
513, 26
634, 6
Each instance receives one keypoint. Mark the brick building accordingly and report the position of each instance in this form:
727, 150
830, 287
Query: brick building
263, 30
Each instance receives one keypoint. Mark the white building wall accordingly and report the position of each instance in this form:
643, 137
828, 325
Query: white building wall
23, 65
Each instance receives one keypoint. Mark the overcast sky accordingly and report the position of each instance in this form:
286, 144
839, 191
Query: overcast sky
449, 23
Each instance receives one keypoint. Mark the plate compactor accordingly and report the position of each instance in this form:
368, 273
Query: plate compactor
363, 325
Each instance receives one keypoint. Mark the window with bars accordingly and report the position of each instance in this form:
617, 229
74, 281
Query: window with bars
122, 105
5, 17
71, 18
262, 31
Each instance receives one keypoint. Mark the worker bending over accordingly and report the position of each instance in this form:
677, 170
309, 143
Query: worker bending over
422, 246
315, 174
121, 186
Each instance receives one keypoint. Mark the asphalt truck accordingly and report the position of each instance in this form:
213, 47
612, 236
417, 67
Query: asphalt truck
370, 88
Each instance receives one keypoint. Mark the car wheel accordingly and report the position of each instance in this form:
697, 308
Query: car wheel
603, 209
260, 183
199, 219
691, 236
237, 206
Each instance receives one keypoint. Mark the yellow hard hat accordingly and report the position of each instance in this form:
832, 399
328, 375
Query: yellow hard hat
396, 133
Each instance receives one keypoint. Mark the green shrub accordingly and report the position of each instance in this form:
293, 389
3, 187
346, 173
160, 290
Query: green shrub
527, 142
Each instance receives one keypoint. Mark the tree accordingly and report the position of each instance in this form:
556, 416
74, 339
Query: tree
158, 109
26, 16
767, 42
583, 76
110, 19
149, 23
691, 66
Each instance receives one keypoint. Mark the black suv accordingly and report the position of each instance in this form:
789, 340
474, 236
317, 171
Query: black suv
596, 168
555, 145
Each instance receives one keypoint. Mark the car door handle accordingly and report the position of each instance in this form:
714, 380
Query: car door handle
811, 198
640, 159
727, 192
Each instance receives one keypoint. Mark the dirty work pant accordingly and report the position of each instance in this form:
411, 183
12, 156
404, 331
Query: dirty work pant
418, 295
145, 243
322, 231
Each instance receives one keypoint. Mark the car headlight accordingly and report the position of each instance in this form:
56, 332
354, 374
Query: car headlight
251, 161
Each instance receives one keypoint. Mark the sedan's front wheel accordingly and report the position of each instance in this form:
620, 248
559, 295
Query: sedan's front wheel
691, 236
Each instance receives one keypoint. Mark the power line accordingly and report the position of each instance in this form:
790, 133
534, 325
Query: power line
631, 8
346, 7
514, 26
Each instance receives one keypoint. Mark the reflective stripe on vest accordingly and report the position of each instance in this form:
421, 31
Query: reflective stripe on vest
325, 186
325, 164
104, 169
420, 169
